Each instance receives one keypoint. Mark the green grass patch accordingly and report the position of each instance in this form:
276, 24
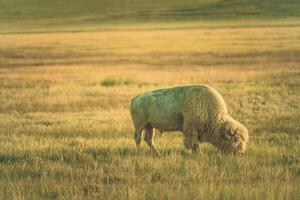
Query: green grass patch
120, 82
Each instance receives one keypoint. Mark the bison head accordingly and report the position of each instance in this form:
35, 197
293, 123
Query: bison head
232, 137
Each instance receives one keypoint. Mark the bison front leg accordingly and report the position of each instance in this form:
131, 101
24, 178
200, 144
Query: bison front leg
195, 148
190, 140
149, 137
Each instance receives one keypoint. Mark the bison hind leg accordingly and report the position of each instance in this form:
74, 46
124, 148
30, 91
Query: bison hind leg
138, 136
149, 137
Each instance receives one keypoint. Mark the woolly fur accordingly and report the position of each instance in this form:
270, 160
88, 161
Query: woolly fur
204, 113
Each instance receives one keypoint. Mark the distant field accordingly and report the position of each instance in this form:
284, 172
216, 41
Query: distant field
57, 15
68, 70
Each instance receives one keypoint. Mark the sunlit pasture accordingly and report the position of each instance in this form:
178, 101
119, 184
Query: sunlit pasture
65, 127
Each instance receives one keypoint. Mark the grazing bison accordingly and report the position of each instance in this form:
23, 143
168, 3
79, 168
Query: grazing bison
198, 111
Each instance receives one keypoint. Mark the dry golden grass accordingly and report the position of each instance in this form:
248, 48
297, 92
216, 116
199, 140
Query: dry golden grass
194, 46
66, 132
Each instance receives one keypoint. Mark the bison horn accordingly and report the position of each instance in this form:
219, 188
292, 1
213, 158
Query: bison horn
227, 137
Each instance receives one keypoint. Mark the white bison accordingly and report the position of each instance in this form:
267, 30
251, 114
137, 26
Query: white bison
198, 111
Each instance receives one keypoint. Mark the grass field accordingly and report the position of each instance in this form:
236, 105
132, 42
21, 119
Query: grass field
65, 127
